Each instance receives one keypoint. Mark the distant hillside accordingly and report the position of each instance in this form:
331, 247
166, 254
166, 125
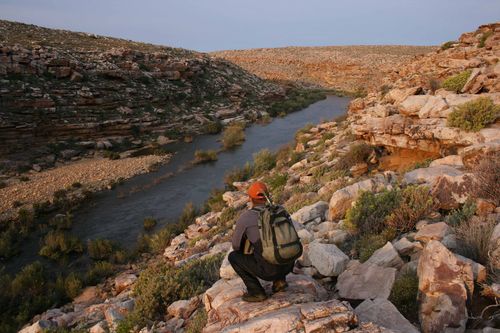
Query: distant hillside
347, 68
71, 90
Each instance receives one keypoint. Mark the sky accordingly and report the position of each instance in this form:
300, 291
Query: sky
209, 25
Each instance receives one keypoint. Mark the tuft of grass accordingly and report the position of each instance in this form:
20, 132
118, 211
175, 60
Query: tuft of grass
100, 249
57, 244
233, 135
213, 127
149, 223
215, 203
112, 155
99, 271
474, 115
367, 244
457, 82
474, 237
404, 295
487, 175
484, 37
263, 161
238, 175
357, 153
197, 322
447, 45
204, 156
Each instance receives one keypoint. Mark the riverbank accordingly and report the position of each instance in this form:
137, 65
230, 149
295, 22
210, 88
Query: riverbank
92, 175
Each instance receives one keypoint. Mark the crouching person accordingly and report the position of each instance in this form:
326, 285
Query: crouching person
265, 245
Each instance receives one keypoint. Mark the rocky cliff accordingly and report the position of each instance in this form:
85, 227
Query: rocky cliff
77, 88
347, 68
404, 250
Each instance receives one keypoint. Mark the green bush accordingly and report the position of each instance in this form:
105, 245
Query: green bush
99, 271
474, 115
149, 223
357, 153
161, 284
8, 243
57, 244
404, 295
484, 37
233, 135
112, 155
228, 215
457, 82
203, 156
238, 175
73, 285
100, 249
263, 161
447, 45
213, 127
368, 214
415, 204
462, 214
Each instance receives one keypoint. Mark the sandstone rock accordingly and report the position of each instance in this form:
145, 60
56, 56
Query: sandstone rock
113, 317
305, 236
363, 281
412, 104
370, 328
358, 169
435, 107
404, 246
444, 285
451, 191
471, 155
39, 327
478, 270
310, 213
495, 247
328, 259
302, 305
396, 96
226, 270
342, 199
235, 200
386, 256
454, 161
338, 236
183, 308
88, 296
430, 175
435, 231
382, 312
123, 281
484, 207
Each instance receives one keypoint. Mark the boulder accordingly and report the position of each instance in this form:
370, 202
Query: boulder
310, 213
396, 96
478, 270
412, 104
113, 317
40, 326
444, 285
386, 256
454, 161
382, 312
123, 281
405, 247
342, 199
363, 281
435, 231
472, 154
302, 306
435, 107
370, 328
451, 191
328, 259
100, 327
184, 308
495, 247
305, 236
235, 199
430, 175
226, 270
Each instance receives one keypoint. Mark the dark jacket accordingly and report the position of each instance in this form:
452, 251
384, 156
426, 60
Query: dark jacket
247, 227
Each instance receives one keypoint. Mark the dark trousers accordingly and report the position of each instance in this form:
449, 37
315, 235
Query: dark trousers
249, 269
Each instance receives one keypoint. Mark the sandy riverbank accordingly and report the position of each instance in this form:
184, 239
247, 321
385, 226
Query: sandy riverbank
93, 174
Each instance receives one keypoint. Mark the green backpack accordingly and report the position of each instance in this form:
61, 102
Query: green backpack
280, 241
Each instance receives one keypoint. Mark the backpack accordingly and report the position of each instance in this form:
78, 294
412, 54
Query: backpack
280, 241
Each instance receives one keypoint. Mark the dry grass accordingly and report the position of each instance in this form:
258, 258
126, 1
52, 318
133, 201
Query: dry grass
474, 236
487, 173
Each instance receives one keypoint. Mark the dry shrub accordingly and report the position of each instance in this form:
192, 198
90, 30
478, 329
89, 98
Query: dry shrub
233, 135
474, 236
415, 204
487, 173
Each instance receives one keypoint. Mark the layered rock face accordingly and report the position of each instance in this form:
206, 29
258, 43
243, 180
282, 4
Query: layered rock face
56, 85
348, 68
410, 112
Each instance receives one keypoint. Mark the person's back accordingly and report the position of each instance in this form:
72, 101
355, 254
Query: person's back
250, 266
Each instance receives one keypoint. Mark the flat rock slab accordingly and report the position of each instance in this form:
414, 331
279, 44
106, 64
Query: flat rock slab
328, 259
384, 313
303, 304
435, 231
364, 281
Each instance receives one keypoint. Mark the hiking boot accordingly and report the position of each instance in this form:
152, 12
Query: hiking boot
254, 297
279, 285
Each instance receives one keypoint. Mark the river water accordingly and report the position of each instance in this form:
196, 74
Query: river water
118, 214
